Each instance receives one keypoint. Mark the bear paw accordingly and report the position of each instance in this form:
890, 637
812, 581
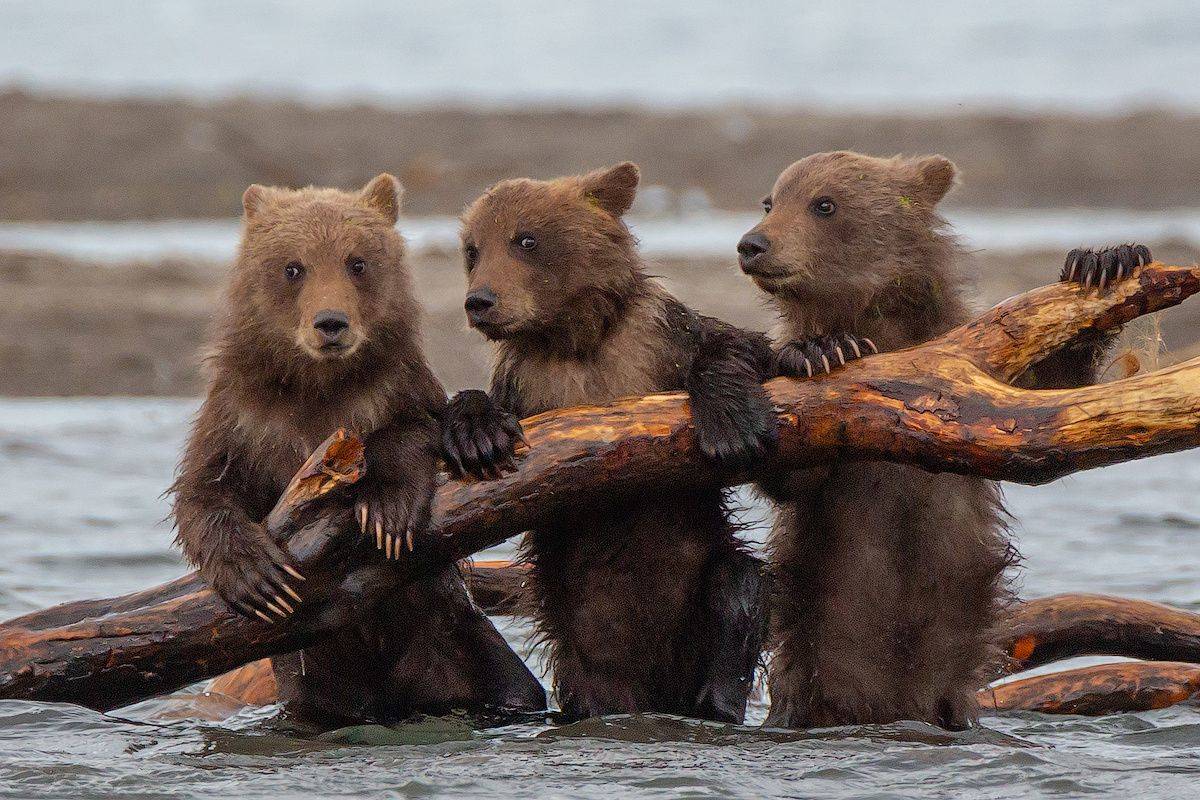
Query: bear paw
822, 354
1101, 268
734, 429
392, 519
479, 438
257, 581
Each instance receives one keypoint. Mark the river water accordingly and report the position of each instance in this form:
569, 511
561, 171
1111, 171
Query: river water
853, 54
81, 516
698, 234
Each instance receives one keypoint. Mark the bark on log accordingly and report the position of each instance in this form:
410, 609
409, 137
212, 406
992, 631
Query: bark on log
1098, 690
1067, 625
943, 405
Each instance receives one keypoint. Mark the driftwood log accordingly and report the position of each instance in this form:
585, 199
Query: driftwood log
1098, 690
1066, 625
945, 405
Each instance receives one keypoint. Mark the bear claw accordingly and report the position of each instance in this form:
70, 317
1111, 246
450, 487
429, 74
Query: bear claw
384, 519
254, 589
1109, 265
822, 354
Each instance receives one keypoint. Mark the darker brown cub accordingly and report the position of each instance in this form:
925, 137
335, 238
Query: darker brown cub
649, 604
321, 332
888, 578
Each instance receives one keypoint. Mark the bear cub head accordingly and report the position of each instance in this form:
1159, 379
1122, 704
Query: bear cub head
320, 280
841, 228
549, 261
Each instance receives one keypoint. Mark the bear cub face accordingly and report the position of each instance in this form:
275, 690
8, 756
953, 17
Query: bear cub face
835, 223
320, 271
542, 256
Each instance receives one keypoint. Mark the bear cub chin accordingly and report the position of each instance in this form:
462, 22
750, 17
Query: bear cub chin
888, 579
320, 332
649, 603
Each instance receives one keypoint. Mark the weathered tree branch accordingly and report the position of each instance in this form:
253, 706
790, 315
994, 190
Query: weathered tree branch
1098, 690
1066, 625
943, 405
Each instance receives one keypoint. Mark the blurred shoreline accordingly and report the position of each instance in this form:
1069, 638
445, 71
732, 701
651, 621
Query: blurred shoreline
72, 158
81, 327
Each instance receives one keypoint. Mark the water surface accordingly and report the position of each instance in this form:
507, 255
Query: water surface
853, 54
700, 234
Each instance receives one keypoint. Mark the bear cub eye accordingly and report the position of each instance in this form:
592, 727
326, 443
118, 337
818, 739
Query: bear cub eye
356, 266
470, 254
525, 241
767, 206
824, 206
293, 270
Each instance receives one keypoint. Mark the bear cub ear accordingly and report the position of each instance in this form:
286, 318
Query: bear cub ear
613, 188
936, 175
254, 199
384, 194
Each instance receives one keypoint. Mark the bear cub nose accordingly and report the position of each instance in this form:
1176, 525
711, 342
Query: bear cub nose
332, 325
478, 304
751, 247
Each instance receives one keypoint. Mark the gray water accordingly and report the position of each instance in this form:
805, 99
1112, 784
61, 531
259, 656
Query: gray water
81, 516
697, 234
851, 54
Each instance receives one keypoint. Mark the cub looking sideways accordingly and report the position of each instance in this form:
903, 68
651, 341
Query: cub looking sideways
651, 604
888, 579
320, 332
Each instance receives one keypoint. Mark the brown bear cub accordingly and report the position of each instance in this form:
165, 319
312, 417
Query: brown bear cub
888, 579
651, 604
321, 333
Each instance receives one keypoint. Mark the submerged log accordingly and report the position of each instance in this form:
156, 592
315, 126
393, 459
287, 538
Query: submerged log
1066, 625
1098, 690
944, 405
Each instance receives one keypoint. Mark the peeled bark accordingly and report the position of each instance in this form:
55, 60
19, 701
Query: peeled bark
943, 405
1098, 690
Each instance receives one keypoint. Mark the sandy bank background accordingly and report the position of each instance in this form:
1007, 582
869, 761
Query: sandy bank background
75, 327
75, 159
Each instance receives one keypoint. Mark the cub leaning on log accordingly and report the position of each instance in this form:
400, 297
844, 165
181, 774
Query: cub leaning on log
888, 578
654, 606
321, 333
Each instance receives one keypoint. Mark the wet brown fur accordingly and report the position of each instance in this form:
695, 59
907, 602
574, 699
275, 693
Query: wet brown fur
653, 606
889, 578
274, 394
